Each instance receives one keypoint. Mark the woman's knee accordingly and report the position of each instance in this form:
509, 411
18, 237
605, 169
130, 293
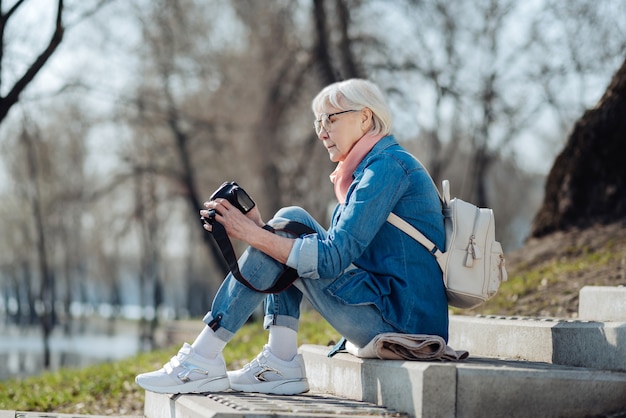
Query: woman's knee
299, 215
293, 213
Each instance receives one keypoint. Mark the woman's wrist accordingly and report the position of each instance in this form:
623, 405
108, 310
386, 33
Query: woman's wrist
274, 245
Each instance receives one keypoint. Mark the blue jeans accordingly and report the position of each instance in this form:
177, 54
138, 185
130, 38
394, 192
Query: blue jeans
234, 302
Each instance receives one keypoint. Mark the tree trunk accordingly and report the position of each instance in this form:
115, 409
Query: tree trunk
46, 289
587, 183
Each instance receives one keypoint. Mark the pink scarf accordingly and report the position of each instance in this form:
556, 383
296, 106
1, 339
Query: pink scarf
342, 176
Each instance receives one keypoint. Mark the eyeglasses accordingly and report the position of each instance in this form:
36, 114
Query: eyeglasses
325, 123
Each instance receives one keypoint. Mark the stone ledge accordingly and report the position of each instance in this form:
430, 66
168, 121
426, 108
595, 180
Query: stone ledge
421, 389
22, 414
485, 387
235, 404
346, 386
602, 303
599, 345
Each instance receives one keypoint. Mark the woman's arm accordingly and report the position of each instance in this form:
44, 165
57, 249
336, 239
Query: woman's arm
247, 228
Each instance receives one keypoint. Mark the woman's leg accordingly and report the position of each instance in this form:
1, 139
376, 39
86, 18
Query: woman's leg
278, 369
357, 323
233, 304
282, 313
201, 367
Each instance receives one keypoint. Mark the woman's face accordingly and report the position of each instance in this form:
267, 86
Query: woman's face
341, 131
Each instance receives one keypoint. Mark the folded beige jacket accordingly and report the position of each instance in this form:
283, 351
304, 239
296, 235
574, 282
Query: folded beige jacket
395, 346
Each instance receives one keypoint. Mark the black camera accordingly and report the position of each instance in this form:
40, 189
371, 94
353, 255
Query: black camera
232, 192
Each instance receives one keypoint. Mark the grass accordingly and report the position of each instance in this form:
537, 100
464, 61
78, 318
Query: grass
109, 389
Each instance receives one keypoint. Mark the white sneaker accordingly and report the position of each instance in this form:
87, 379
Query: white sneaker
187, 372
269, 374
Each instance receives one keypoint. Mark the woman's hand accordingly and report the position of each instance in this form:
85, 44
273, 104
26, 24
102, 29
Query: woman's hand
247, 228
237, 225
255, 215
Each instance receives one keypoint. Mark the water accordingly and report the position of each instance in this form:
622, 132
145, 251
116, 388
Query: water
21, 349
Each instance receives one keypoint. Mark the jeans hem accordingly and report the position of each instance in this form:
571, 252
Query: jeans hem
221, 333
282, 321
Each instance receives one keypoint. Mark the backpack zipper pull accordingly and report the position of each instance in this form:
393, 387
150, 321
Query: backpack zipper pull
471, 247
503, 274
476, 249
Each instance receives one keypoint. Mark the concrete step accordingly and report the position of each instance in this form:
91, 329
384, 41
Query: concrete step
476, 387
518, 367
599, 345
346, 386
602, 303
23, 414
235, 404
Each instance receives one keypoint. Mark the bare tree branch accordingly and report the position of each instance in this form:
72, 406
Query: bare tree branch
13, 96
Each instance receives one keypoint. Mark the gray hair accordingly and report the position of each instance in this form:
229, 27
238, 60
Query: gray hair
356, 94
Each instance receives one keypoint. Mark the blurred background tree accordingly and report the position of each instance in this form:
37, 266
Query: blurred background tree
587, 181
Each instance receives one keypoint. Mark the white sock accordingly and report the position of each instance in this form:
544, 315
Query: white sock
283, 342
207, 344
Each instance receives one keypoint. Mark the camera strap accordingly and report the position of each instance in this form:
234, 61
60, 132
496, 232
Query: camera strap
289, 274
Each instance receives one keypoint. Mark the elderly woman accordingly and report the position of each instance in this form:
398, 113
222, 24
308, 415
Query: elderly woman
365, 276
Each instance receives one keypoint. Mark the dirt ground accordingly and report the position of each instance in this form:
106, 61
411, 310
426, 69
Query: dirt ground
558, 294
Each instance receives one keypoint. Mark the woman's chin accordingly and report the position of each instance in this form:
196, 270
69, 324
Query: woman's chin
335, 156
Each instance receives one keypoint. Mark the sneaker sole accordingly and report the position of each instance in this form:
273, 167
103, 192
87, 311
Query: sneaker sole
217, 384
285, 387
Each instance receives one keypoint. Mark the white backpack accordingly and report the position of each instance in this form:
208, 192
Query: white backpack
472, 261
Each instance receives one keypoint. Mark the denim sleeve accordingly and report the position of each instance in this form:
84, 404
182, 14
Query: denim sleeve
292, 260
303, 256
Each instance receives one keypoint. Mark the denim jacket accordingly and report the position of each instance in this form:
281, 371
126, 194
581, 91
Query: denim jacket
393, 271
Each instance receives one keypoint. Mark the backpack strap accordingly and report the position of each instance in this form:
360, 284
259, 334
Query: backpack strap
283, 281
445, 186
410, 230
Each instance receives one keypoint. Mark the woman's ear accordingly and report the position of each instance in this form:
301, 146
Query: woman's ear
366, 119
